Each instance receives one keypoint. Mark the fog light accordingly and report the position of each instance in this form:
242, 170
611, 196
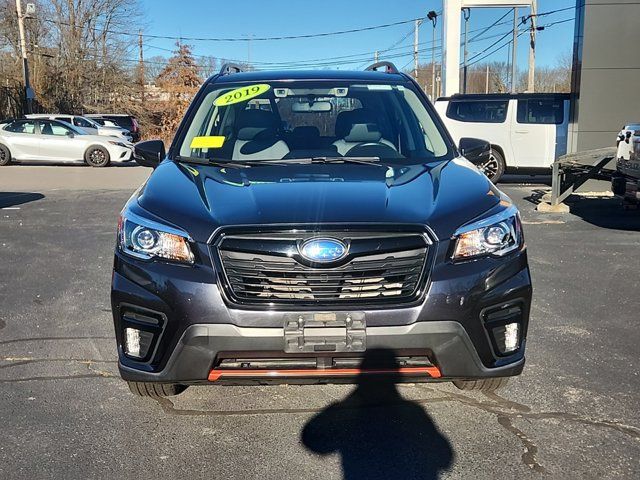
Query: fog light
507, 337
137, 342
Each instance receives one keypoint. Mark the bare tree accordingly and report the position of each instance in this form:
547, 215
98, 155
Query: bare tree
208, 65
153, 66
78, 52
180, 79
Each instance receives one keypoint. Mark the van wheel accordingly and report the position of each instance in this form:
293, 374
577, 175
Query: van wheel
5, 156
97, 156
484, 385
150, 389
494, 168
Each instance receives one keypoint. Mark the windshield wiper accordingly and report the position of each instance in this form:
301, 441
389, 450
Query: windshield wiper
310, 160
278, 162
212, 161
360, 160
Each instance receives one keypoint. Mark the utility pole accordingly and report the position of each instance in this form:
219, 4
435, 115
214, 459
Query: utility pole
249, 37
141, 66
514, 50
415, 48
531, 83
375, 57
486, 81
433, 16
28, 92
467, 13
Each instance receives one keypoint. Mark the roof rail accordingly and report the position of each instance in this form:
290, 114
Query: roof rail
229, 68
389, 67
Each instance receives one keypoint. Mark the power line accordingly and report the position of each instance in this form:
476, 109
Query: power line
246, 39
398, 51
351, 58
497, 22
402, 52
500, 22
551, 12
342, 59
489, 47
522, 32
395, 44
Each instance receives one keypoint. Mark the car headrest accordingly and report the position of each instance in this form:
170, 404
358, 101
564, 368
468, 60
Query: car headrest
364, 132
358, 126
306, 131
344, 123
251, 123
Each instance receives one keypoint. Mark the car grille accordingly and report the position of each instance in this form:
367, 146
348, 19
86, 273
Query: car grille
264, 276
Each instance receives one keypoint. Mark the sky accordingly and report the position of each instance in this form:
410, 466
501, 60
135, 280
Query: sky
268, 18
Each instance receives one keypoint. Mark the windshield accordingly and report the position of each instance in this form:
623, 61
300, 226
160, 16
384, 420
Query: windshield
283, 120
85, 122
59, 123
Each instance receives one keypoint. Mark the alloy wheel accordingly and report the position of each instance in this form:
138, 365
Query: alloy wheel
490, 168
97, 157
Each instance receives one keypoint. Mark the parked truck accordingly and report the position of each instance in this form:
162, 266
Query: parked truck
625, 183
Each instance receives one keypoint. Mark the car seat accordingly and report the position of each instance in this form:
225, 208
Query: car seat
257, 136
46, 129
357, 128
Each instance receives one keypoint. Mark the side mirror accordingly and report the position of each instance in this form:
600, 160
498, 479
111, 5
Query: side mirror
149, 153
475, 150
70, 134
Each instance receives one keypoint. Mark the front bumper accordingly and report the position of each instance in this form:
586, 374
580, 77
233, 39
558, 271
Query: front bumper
120, 154
626, 187
194, 355
199, 327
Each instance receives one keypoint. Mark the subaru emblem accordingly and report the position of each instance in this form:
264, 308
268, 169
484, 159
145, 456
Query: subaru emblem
323, 250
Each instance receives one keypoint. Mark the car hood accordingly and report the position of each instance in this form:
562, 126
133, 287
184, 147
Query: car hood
201, 198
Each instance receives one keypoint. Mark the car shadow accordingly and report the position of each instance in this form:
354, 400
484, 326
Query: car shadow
600, 211
70, 164
606, 212
377, 432
11, 199
525, 179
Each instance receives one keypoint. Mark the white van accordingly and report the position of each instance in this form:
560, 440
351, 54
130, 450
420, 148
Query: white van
526, 130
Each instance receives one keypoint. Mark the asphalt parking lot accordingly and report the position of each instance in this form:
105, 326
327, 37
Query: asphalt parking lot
64, 413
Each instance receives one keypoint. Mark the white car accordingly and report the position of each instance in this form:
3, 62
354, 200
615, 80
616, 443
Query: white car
52, 140
526, 130
88, 125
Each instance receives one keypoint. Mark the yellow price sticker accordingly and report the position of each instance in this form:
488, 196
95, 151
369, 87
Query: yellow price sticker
193, 171
207, 142
241, 94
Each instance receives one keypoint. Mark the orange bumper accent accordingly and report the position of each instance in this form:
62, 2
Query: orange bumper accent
217, 374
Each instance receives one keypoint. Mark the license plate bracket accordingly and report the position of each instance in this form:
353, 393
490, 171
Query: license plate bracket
325, 332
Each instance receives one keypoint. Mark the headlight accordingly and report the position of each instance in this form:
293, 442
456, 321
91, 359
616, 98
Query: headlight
118, 144
495, 235
146, 239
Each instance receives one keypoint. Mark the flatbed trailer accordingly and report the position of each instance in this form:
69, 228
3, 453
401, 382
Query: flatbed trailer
569, 172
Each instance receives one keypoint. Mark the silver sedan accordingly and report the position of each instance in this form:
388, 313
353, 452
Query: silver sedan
52, 140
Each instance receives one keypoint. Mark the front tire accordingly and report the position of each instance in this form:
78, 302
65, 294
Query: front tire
5, 156
495, 167
97, 156
150, 389
484, 385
